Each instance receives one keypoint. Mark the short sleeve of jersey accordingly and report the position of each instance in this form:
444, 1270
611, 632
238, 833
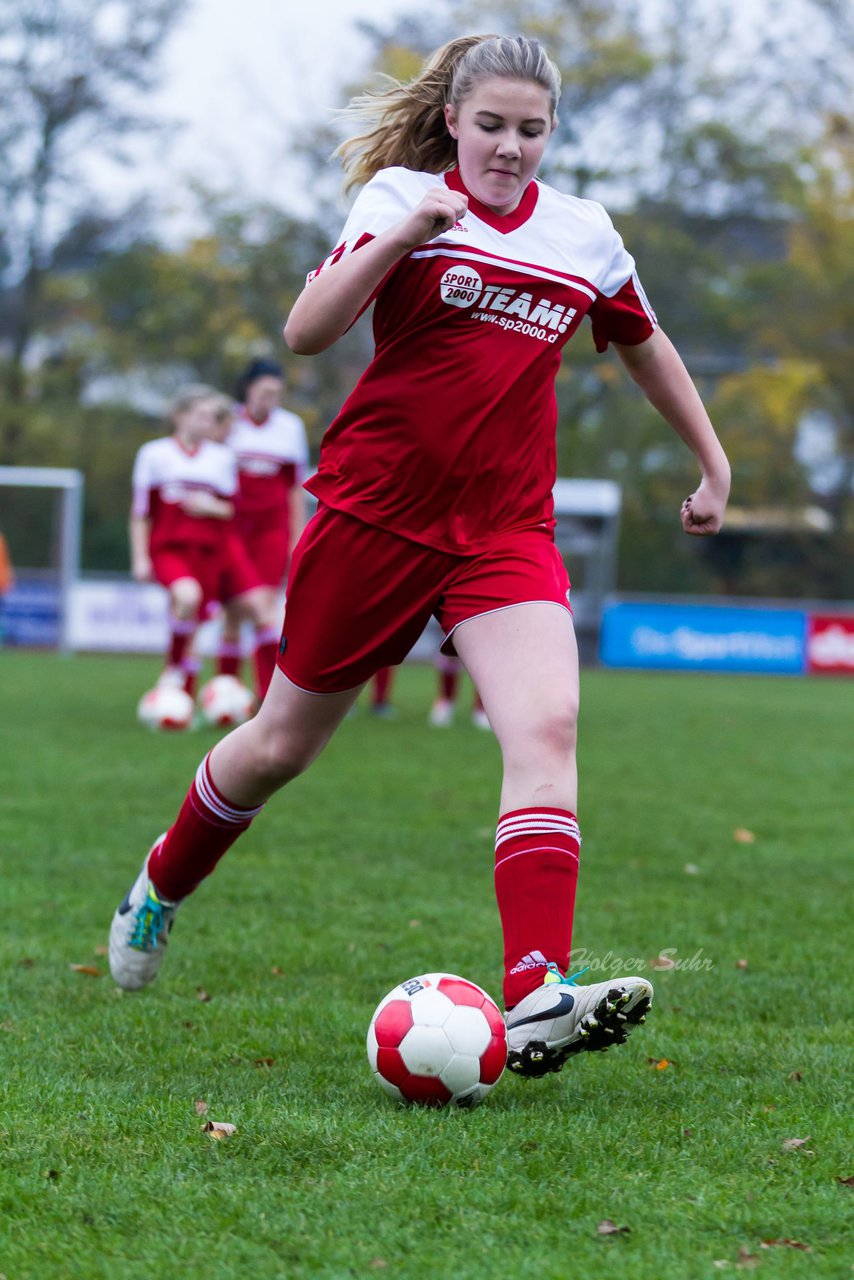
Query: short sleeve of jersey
141, 483
385, 200
230, 473
621, 312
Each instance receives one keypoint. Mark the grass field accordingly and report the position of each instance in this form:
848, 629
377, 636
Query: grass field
375, 866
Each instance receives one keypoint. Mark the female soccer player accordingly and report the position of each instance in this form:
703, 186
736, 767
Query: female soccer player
435, 486
183, 490
272, 455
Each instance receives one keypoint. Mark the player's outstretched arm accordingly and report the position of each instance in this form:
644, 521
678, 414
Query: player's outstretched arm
657, 368
330, 302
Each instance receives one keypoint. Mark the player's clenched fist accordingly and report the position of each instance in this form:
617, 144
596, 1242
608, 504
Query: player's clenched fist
437, 212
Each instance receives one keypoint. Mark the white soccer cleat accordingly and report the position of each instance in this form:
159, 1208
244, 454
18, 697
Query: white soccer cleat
442, 713
560, 1019
480, 719
139, 932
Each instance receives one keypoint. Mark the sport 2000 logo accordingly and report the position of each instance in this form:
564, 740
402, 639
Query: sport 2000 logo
513, 309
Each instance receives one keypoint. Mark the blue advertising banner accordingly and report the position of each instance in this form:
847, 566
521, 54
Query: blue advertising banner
704, 638
29, 614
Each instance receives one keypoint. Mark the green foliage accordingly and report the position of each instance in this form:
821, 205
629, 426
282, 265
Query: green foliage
741, 229
377, 865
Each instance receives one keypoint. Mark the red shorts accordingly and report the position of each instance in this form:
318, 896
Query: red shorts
222, 572
359, 597
237, 573
266, 539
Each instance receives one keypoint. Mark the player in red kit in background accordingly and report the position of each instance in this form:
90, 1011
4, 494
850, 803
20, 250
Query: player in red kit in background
182, 512
272, 457
434, 486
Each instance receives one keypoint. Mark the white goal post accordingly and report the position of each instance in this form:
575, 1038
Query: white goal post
67, 485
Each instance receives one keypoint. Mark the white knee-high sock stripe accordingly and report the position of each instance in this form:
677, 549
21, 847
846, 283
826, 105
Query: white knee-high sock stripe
220, 808
266, 635
531, 824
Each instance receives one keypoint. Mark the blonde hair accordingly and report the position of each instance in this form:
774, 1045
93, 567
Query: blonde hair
189, 396
404, 124
222, 406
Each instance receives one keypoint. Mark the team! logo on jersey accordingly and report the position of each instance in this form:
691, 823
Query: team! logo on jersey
513, 309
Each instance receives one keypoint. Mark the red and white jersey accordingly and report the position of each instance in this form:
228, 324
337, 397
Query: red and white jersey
272, 457
449, 436
165, 473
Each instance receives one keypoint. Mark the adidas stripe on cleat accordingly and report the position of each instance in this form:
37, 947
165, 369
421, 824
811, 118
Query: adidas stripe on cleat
139, 932
560, 1019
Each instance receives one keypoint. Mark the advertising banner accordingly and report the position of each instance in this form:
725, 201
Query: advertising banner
704, 638
830, 645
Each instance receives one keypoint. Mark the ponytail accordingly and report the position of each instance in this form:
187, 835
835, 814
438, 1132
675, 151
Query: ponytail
404, 124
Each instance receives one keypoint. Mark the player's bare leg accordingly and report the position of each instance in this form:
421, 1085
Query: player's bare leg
181, 668
230, 788
524, 662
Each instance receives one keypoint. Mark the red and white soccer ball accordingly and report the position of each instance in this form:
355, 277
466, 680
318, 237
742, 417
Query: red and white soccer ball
166, 707
437, 1039
224, 701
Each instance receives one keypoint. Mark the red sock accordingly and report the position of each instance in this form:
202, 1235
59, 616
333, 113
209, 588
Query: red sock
536, 870
476, 705
191, 668
204, 830
264, 656
180, 635
382, 685
228, 659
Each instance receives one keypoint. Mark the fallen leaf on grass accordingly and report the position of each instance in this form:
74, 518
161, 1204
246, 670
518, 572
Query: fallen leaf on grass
691, 869
785, 1243
607, 1227
742, 836
795, 1075
796, 1144
662, 962
218, 1130
741, 964
661, 1064
90, 970
415, 924
277, 972
201, 1106
846, 1182
746, 1261
264, 1062
202, 995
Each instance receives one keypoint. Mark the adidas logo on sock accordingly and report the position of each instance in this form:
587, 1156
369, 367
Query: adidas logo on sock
533, 960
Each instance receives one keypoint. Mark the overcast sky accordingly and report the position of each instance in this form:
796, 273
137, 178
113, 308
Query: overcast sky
240, 74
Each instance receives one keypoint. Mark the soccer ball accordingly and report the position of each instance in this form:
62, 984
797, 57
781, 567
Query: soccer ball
166, 707
224, 701
437, 1039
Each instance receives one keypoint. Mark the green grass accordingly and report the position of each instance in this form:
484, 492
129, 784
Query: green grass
377, 865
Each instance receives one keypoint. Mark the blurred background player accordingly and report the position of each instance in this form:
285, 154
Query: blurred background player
7, 578
181, 516
448, 670
272, 456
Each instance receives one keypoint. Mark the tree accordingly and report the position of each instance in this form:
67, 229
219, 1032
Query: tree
72, 75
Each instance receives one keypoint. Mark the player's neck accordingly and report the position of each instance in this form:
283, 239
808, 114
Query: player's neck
258, 418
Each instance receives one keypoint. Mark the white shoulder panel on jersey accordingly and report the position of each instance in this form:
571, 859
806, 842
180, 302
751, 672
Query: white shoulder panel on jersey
282, 437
